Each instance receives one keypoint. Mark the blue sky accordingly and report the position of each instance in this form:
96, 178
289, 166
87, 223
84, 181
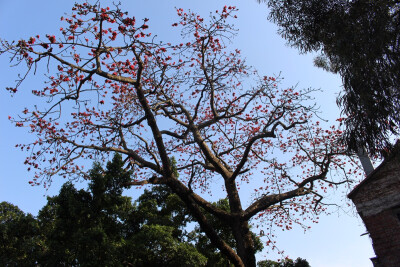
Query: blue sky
335, 241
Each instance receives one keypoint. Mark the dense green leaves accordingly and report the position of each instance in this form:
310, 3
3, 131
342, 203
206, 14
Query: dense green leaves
299, 262
19, 238
156, 245
204, 245
100, 227
87, 228
360, 40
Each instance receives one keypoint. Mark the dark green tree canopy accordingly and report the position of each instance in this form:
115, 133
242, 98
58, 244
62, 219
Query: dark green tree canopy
19, 236
360, 40
101, 227
299, 262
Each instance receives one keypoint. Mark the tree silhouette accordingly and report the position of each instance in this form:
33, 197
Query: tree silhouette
360, 41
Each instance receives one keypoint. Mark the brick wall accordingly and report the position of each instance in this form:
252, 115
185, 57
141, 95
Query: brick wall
384, 230
381, 191
377, 200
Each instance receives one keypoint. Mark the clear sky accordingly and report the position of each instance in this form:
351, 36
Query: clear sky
334, 241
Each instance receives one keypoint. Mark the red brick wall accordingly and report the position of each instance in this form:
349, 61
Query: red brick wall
384, 229
378, 202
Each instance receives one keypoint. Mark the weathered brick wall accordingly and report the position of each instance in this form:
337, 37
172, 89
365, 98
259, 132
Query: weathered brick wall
384, 229
380, 192
377, 201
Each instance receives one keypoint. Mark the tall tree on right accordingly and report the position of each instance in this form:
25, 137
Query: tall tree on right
360, 40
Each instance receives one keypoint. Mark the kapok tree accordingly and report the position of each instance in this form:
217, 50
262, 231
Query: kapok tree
184, 115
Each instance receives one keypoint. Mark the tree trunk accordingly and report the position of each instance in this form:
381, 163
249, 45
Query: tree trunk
207, 228
244, 242
240, 227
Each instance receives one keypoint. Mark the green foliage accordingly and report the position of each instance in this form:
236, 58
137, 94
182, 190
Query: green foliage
19, 237
165, 208
173, 164
156, 245
204, 245
299, 262
360, 41
100, 227
87, 227
160, 206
